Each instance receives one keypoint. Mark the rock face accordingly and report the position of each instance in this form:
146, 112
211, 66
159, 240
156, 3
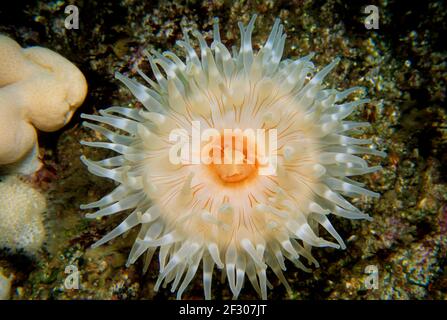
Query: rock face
402, 65
21, 216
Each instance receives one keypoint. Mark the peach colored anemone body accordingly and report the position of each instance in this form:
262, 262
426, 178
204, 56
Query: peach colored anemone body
229, 216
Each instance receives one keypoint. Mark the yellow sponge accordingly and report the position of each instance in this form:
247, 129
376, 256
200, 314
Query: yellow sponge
21, 216
38, 89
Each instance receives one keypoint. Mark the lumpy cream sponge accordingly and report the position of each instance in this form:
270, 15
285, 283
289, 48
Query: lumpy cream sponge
21, 216
38, 89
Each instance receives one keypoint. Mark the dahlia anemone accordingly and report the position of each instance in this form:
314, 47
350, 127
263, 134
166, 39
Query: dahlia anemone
230, 215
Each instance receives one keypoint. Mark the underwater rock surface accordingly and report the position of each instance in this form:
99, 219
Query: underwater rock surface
403, 65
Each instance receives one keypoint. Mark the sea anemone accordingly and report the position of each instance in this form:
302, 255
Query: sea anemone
229, 214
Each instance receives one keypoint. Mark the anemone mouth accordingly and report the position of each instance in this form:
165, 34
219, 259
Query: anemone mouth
255, 210
232, 159
234, 173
